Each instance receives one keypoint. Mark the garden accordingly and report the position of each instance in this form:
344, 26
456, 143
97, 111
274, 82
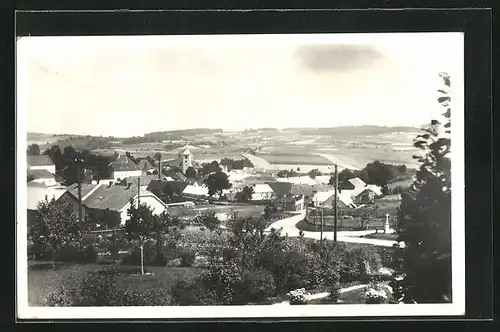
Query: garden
158, 261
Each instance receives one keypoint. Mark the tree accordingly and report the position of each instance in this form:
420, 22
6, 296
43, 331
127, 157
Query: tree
216, 183
191, 172
313, 173
245, 194
209, 220
143, 226
57, 226
210, 168
33, 150
424, 221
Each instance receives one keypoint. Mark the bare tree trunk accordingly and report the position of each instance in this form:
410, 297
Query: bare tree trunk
142, 258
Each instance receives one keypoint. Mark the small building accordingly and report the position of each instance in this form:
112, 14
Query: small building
146, 167
38, 192
41, 162
123, 168
42, 176
108, 204
262, 192
295, 203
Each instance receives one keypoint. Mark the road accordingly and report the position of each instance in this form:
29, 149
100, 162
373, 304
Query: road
288, 228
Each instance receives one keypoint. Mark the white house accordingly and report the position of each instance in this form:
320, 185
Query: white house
41, 162
262, 192
123, 168
109, 203
42, 176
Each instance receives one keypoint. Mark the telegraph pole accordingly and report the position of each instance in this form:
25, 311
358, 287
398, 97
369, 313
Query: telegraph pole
322, 223
138, 192
335, 205
79, 181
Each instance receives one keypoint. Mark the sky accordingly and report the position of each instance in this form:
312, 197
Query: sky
131, 85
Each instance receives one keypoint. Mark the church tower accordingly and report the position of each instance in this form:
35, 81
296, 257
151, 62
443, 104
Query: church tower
187, 160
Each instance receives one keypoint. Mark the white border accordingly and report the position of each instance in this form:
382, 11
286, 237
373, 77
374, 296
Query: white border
243, 312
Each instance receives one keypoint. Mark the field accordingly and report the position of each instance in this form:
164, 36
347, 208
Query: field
303, 148
42, 280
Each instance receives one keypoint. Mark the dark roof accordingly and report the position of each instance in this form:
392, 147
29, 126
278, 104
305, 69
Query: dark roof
179, 176
145, 179
123, 163
86, 188
41, 160
41, 174
113, 197
173, 162
144, 164
281, 189
158, 186
346, 185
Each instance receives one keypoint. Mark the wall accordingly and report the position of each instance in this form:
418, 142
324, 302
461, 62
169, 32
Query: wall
262, 196
50, 168
47, 182
126, 174
151, 201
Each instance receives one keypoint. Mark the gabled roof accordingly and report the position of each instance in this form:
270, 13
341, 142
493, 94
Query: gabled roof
41, 160
281, 189
262, 188
145, 179
37, 194
195, 190
123, 163
113, 197
86, 189
144, 164
357, 182
159, 185
41, 174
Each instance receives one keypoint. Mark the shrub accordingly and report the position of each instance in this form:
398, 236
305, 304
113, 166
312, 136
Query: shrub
375, 296
90, 254
190, 293
222, 281
174, 263
146, 297
256, 286
334, 293
187, 258
298, 296
359, 262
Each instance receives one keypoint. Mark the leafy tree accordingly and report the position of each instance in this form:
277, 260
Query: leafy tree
33, 150
210, 168
287, 173
209, 220
143, 226
245, 194
191, 173
424, 221
216, 183
313, 173
56, 227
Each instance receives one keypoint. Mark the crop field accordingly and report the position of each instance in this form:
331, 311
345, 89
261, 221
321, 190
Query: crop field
295, 159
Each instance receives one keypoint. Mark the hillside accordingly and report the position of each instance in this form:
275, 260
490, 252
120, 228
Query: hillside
353, 130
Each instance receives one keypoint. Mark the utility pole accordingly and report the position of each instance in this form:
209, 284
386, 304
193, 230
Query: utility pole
79, 181
322, 223
138, 192
335, 205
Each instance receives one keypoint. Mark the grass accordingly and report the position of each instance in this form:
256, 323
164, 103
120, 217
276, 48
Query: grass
342, 225
43, 280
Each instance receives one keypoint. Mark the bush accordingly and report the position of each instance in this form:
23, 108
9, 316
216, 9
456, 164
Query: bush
222, 281
190, 293
359, 262
96, 289
334, 293
298, 296
187, 258
256, 286
149, 256
90, 254
375, 296
148, 297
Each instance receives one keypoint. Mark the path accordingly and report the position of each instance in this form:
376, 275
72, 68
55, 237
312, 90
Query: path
339, 161
288, 228
322, 295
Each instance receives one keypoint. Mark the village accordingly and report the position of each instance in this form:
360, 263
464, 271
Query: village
106, 201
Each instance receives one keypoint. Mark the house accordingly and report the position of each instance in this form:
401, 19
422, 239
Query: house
195, 190
146, 167
41, 162
158, 187
42, 176
281, 189
351, 193
108, 204
123, 168
295, 203
38, 192
143, 180
262, 192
